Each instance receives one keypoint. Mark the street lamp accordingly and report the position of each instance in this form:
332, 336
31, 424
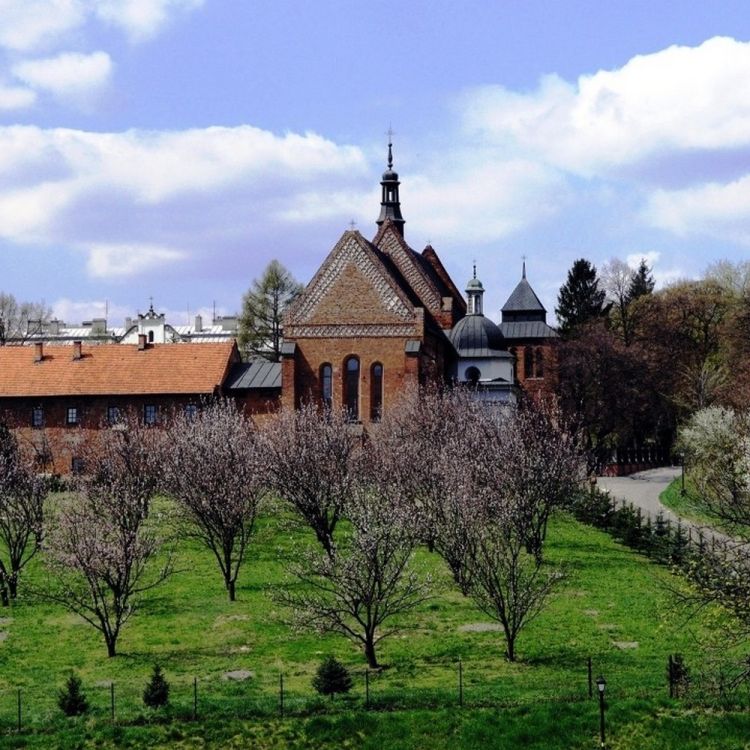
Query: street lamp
601, 684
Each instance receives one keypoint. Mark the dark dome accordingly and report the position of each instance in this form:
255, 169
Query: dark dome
390, 176
477, 336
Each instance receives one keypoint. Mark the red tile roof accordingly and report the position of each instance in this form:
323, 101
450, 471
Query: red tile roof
115, 369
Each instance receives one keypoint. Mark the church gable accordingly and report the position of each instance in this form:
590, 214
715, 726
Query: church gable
351, 289
390, 242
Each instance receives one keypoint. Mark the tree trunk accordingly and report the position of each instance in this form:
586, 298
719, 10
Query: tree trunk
372, 661
510, 646
111, 644
4, 600
232, 592
13, 585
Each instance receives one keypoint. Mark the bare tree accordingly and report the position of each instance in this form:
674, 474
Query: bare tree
214, 472
309, 458
19, 320
367, 578
22, 496
100, 543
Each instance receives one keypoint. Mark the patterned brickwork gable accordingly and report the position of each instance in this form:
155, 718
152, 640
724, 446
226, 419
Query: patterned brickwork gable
352, 288
390, 242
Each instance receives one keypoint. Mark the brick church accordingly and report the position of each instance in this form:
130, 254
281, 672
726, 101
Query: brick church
379, 316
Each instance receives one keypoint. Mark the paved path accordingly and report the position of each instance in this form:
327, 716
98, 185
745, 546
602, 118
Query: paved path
643, 490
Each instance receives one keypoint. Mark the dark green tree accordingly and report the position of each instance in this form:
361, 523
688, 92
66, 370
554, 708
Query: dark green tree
156, 692
71, 699
642, 281
580, 299
332, 677
260, 325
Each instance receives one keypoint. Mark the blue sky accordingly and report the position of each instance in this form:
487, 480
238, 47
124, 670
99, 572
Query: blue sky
171, 148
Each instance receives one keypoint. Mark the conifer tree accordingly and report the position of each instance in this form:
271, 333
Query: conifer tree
332, 677
580, 299
260, 325
71, 699
156, 692
642, 281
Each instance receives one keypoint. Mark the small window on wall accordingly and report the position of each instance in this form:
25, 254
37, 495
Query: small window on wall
149, 414
351, 388
376, 392
326, 385
539, 357
191, 411
528, 362
37, 417
113, 415
150, 337
77, 465
72, 416
473, 375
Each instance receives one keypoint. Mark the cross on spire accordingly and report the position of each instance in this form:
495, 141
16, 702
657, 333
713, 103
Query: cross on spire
390, 135
352, 225
523, 275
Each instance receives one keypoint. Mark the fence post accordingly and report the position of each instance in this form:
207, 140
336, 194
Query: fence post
19, 710
281, 694
460, 682
367, 688
195, 698
670, 675
112, 699
591, 683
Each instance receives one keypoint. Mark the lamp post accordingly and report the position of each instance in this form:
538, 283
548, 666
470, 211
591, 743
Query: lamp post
601, 684
682, 489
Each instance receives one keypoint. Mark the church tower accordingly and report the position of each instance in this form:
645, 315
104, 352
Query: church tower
390, 205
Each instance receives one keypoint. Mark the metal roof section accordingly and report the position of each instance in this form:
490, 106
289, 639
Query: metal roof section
528, 329
523, 299
477, 336
258, 374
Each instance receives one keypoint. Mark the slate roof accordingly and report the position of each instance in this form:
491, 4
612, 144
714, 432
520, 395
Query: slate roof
477, 336
523, 299
527, 329
115, 369
259, 373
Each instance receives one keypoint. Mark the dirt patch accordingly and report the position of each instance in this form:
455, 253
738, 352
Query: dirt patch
3, 636
223, 619
238, 675
480, 627
591, 612
5, 621
625, 644
240, 650
607, 626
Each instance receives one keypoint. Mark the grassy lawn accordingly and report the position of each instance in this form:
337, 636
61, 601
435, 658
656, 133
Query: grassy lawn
690, 506
615, 607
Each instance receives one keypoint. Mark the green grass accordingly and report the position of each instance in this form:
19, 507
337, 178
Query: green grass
690, 505
615, 606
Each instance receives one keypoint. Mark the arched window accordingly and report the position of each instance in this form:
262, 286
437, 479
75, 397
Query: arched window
326, 384
528, 362
473, 375
376, 392
151, 337
539, 356
351, 388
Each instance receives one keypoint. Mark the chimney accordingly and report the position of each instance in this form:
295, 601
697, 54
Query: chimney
77, 350
141, 342
198, 324
38, 351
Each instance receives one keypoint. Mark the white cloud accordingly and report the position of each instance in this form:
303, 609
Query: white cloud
721, 210
141, 19
634, 259
16, 97
679, 99
30, 24
124, 260
67, 75
129, 200
72, 312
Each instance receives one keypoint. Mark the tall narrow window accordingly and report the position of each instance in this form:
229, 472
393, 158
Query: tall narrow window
37, 417
113, 414
528, 362
149, 414
351, 388
151, 337
376, 392
326, 385
539, 364
71, 416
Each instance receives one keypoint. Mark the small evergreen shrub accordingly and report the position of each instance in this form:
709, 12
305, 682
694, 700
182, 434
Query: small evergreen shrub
71, 699
332, 677
156, 692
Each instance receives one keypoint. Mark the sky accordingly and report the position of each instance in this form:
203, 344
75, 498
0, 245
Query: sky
169, 149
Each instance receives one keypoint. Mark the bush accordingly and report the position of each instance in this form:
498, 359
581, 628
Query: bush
156, 692
72, 700
332, 677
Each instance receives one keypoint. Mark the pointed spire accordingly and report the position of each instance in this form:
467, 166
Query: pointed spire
474, 294
523, 274
390, 205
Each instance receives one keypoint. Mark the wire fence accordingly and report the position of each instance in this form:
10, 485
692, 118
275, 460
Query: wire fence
424, 685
